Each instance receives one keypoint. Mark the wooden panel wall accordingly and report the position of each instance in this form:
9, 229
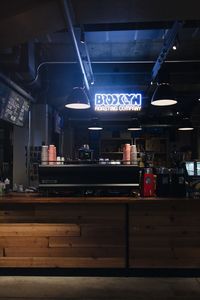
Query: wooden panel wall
162, 233
165, 233
62, 235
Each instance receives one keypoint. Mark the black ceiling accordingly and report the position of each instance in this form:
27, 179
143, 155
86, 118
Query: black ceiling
127, 46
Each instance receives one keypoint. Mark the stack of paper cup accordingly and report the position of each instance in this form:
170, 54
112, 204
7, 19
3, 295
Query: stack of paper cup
133, 155
62, 159
44, 155
52, 154
126, 154
58, 160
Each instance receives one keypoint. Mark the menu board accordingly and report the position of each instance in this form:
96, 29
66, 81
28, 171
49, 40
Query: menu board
14, 108
198, 168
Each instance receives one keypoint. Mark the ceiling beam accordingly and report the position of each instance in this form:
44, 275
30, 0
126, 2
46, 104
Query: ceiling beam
169, 41
112, 11
137, 26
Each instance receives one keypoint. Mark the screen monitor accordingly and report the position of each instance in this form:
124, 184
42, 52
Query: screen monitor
198, 168
14, 107
190, 167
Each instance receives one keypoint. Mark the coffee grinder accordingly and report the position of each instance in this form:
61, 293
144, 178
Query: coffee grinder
147, 183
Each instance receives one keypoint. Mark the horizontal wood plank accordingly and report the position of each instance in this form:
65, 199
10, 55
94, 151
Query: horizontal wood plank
31, 229
85, 242
187, 252
111, 231
163, 241
93, 252
61, 262
157, 252
18, 241
164, 263
168, 231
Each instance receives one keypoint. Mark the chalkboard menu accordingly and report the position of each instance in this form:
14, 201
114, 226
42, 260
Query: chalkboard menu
14, 108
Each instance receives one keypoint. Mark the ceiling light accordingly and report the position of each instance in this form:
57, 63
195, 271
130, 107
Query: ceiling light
78, 99
176, 44
186, 125
95, 125
174, 47
163, 95
134, 125
82, 36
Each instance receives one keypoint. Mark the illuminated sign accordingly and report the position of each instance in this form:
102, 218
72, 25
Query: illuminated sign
118, 102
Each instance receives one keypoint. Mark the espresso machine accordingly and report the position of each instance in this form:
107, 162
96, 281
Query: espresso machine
85, 153
177, 182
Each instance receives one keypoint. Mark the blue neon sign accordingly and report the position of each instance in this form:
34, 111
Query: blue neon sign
118, 102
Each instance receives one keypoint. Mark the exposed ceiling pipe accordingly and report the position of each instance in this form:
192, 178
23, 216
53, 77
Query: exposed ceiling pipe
67, 16
16, 87
107, 62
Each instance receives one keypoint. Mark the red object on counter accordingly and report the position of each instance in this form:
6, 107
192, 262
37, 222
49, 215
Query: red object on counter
126, 154
52, 155
147, 183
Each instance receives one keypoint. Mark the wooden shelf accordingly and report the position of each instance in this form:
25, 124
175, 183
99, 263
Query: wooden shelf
117, 139
105, 152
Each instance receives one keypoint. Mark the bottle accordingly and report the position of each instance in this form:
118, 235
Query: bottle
7, 185
133, 155
2, 188
15, 187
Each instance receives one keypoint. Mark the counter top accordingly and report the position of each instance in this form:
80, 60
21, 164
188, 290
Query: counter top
35, 198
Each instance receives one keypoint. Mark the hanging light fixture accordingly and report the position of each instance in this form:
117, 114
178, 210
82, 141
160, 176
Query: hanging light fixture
186, 125
134, 125
78, 99
176, 43
163, 95
82, 35
95, 125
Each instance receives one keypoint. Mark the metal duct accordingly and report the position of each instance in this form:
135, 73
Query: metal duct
67, 16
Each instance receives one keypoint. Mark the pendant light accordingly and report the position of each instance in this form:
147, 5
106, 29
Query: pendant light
134, 125
95, 125
163, 95
186, 125
78, 99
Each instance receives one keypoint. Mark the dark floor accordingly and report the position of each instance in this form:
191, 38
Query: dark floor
91, 288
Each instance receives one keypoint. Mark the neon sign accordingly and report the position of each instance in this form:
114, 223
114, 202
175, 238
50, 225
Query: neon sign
118, 102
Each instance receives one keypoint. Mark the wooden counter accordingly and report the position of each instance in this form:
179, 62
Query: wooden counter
99, 232
20, 198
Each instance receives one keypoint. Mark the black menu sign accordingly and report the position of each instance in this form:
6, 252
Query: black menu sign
14, 108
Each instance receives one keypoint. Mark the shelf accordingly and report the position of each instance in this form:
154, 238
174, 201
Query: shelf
111, 152
157, 152
116, 139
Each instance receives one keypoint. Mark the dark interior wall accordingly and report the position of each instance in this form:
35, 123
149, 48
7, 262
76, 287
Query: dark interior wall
167, 140
6, 149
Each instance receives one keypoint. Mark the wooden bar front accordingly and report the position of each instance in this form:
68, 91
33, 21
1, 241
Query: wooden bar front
99, 232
